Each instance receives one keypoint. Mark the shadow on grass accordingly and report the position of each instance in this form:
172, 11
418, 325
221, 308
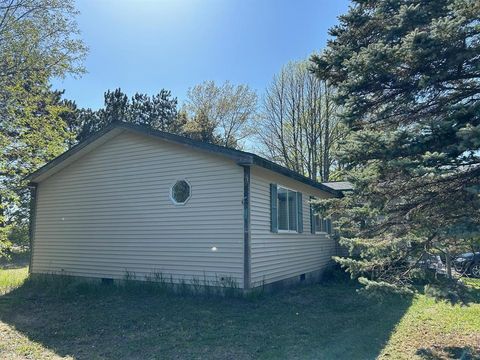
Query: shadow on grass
463, 292
449, 352
16, 261
87, 321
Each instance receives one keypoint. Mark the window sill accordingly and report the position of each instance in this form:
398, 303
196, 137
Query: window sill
287, 232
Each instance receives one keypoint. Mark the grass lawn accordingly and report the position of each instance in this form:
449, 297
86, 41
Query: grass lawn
327, 321
12, 278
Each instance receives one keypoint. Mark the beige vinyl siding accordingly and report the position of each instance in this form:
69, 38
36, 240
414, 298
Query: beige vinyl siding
278, 256
110, 212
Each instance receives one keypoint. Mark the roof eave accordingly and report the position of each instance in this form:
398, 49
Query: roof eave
269, 165
239, 157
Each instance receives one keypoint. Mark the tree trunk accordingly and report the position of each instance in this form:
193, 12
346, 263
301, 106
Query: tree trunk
448, 263
326, 152
2, 214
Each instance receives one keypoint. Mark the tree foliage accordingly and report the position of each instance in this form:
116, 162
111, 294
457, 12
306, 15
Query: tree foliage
299, 125
35, 133
158, 112
200, 128
38, 40
220, 114
408, 75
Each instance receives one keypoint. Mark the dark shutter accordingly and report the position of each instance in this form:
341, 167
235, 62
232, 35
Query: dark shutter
312, 217
300, 212
273, 208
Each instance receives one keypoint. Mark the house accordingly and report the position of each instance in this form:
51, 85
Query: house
132, 199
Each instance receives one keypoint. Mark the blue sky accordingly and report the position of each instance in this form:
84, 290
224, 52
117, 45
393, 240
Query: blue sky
146, 45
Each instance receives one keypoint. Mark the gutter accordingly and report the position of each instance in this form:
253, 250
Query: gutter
32, 217
270, 165
246, 229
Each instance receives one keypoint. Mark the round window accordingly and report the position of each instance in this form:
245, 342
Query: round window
180, 192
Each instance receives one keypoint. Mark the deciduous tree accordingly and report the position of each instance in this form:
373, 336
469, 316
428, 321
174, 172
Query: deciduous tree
35, 133
299, 124
230, 109
38, 40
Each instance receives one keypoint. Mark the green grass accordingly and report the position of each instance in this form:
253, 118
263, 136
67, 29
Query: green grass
64, 319
12, 278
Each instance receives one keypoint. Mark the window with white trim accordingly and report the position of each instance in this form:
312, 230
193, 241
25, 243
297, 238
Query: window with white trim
320, 224
287, 209
180, 192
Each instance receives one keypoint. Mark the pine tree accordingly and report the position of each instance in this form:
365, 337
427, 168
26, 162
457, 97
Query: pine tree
33, 131
408, 76
201, 128
158, 112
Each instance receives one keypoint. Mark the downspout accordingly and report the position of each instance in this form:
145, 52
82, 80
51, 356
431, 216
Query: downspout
32, 216
246, 228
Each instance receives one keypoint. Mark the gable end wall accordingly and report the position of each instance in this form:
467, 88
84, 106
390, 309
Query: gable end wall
110, 212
